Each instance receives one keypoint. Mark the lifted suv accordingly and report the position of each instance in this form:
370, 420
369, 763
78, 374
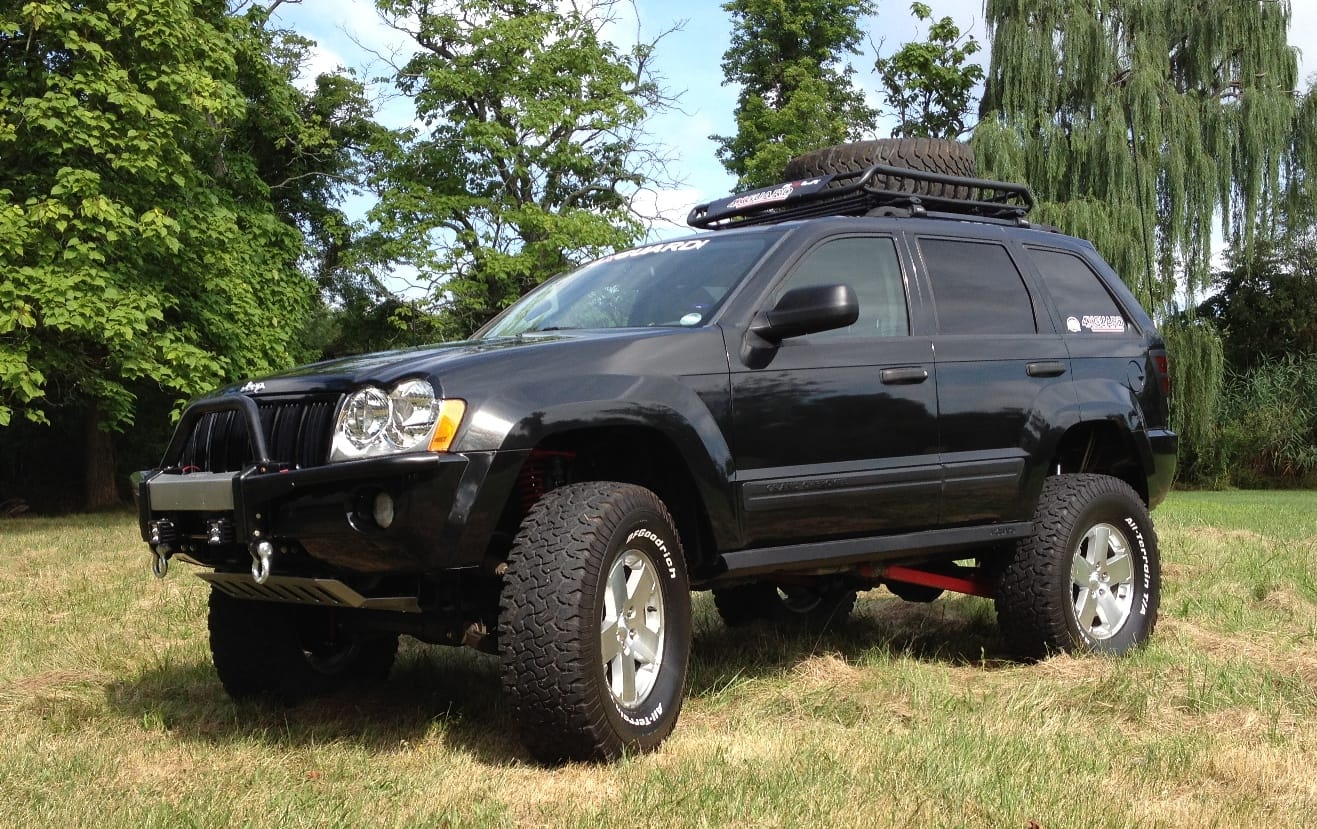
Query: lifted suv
870, 376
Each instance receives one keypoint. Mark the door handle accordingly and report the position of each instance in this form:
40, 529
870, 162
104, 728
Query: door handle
1050, 368
906, 376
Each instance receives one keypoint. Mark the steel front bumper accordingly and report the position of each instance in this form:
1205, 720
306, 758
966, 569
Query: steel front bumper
329, 512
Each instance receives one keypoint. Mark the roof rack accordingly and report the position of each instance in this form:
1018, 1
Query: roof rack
855, 193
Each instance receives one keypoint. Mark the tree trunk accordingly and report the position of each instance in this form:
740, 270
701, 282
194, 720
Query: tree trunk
98, 484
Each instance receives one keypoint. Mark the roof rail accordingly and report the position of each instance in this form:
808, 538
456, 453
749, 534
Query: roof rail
854, 193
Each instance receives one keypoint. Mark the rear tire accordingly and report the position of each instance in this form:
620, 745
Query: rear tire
595, 623
1088, 580
935, 155
291, 652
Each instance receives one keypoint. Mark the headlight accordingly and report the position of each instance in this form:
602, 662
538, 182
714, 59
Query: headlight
413, 411
374, 422
364, 418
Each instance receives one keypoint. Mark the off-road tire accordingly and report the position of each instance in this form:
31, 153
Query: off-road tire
807, 609
1039, 598
552, 609
934, 155
291, 652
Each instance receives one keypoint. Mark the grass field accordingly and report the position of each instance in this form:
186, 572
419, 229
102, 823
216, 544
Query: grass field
110, 714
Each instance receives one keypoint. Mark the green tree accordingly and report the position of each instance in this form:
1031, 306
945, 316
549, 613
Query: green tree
928, 85
1137, 122
528, 153
143, 246
1265, 301
797, 91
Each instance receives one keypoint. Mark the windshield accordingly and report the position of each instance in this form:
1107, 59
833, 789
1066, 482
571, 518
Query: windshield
670, 283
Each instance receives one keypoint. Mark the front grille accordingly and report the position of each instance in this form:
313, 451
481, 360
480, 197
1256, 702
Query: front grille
296, 432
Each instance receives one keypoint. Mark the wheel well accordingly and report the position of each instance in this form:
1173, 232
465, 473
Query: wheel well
629, 454
1102, 448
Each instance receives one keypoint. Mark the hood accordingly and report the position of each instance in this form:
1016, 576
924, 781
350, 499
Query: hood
432, 362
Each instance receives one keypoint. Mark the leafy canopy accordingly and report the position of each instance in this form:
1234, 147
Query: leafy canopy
138, 241
927, 84
527, 150
797, 91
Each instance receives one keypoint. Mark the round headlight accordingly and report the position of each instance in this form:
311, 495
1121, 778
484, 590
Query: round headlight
414, 412
365, 416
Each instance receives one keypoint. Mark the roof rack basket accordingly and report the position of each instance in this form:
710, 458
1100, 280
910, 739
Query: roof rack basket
856, 193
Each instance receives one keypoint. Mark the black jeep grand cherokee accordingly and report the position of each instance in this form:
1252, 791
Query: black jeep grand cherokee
871, 375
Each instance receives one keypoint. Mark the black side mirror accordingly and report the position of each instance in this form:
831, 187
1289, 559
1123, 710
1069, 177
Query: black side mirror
808, 310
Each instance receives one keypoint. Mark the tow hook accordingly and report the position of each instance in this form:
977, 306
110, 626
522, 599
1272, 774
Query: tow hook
262, 552
160, 560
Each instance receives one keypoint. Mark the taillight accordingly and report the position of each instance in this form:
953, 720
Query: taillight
1163, 366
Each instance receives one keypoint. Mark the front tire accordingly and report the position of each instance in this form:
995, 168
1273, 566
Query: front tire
595, 623
291, 652
1089, 579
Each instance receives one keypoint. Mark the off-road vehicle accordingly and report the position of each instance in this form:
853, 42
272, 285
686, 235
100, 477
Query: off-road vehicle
870, 375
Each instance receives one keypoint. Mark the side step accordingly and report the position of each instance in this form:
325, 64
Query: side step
300, 590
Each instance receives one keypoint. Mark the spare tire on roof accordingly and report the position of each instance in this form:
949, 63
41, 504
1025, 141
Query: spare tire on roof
934, 155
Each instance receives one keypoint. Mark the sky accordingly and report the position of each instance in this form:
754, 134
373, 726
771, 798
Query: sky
349, 33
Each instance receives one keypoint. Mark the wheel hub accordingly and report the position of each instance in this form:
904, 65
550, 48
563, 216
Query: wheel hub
1102, 582
631, 628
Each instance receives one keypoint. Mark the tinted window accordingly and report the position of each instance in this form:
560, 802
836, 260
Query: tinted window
977, 289
1085, 305
870, 267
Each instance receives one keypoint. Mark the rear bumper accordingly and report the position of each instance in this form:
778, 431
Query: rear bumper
325, 513
1165, 452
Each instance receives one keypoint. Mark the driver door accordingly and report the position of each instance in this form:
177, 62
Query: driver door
837, 435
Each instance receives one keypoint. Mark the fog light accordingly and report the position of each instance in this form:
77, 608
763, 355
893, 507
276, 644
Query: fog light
383, 510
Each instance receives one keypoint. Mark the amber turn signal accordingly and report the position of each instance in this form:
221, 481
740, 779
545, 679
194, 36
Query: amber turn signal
450, 417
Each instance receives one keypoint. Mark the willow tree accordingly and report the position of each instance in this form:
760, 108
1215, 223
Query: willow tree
1140, 124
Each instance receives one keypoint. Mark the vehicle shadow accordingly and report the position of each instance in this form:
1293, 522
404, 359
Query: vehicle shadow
455, 694
432, 691
955, 631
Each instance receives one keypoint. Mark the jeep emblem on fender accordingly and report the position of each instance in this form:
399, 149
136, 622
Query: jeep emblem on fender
252, 387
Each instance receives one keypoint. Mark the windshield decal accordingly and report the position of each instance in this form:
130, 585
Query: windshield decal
668, 247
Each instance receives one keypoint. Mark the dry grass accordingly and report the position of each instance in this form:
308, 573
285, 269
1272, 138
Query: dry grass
911, 716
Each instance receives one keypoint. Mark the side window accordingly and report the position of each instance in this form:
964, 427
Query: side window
977, 288
869, 265
1084, 302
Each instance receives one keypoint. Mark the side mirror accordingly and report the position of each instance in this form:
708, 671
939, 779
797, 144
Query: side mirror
808, 310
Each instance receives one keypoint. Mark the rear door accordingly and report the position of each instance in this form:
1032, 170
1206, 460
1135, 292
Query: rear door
1001, 369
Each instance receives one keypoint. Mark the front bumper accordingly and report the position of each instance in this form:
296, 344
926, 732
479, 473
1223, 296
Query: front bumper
323, 512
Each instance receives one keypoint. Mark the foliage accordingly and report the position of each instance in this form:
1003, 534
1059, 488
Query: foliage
1138, 121
927, 84
797, 94
157, 167
128, 255
303, 150
1197, 366
1265, 301
527, 148
1268, 423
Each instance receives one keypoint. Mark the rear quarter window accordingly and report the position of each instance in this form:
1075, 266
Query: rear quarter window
1085, 304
